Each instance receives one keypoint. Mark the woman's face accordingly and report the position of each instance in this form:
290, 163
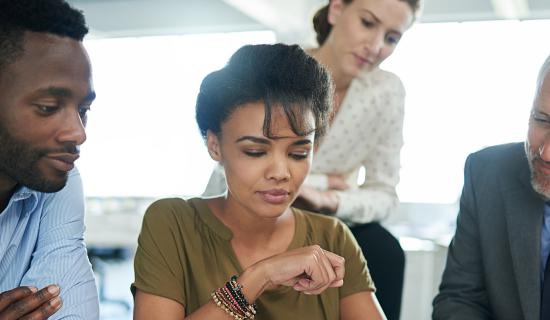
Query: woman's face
263, 174
365, 32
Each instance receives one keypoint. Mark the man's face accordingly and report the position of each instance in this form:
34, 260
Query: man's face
44, 97
538, 139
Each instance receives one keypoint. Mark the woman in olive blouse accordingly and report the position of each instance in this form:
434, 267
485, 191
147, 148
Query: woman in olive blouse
248, 254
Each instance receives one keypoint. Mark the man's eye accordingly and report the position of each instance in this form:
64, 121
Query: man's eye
47, 109
83, 111
541, 119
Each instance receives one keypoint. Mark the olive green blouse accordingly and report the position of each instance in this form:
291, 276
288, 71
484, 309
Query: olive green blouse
184, 253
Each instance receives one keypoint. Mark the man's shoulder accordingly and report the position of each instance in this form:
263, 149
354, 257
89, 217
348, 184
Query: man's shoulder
513, 148
498, 156
504, 164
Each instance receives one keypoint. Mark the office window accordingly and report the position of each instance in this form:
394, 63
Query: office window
142, 135
469, 85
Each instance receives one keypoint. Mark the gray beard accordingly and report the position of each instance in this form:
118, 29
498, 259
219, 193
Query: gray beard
539, 181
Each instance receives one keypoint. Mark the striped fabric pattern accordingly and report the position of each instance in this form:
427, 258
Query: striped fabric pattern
42, 243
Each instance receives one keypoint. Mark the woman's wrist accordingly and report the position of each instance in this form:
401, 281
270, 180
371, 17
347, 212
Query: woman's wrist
254, 281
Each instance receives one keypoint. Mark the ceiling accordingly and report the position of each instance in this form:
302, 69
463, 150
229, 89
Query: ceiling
290, 19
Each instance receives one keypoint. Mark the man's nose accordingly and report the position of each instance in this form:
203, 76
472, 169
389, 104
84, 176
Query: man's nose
73, 130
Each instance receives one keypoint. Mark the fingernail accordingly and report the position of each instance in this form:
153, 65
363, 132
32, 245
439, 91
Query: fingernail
33, 289
55, 302
53, 289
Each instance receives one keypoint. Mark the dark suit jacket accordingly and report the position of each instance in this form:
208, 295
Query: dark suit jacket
493, 264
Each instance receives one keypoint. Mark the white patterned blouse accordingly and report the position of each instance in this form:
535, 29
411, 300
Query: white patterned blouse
366, 132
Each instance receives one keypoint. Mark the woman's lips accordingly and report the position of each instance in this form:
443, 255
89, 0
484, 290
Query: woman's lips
361, 61
275, 196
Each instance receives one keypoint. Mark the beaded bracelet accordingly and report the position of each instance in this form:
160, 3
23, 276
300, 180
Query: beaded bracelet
227, 296
236, 289
225, 308
231, 300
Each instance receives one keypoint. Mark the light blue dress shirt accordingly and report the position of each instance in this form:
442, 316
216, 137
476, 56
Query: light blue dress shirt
545, 240
42, 243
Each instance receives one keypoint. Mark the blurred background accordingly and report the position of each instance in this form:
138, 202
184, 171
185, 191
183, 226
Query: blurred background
469, 68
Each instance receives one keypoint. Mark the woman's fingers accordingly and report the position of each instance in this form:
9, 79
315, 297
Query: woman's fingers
310, 270
338, 263
326, 271
330, 272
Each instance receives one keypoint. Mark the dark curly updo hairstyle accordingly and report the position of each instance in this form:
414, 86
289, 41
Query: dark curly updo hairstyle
49, 16
322, 27
279, 76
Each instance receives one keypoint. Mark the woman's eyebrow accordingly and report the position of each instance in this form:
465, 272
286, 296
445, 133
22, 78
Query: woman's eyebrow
301, 142
253, 139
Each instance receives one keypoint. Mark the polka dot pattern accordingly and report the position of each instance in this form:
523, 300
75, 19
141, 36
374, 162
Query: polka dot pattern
367, 132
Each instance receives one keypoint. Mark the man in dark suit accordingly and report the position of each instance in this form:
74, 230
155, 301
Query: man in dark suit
497, 259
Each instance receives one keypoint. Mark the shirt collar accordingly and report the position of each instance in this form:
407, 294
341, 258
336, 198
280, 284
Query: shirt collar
23, 193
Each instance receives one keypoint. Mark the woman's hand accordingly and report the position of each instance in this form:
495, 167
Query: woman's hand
337, 182
312, 199
310, 270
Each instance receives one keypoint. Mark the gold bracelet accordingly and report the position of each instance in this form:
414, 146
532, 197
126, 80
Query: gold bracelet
225, 308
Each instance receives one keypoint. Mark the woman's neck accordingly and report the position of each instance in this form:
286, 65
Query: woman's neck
325, 56
249, 227
254, 238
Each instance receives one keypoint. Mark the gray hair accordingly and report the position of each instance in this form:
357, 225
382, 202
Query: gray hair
542, 74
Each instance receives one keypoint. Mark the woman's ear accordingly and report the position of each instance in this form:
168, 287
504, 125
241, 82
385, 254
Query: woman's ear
334, 11
213, 145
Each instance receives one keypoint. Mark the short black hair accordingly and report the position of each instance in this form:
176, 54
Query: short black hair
278, 75
49, 16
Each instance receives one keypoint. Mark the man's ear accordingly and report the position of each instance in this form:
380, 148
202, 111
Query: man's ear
213, 145
335, 10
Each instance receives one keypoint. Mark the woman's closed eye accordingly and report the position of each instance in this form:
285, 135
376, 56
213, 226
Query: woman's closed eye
367, 23
254, 153
299, 155
392, 39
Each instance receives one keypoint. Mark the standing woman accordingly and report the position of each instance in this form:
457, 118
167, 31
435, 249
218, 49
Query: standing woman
354, 37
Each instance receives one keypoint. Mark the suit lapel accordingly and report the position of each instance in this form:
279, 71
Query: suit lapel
524, 212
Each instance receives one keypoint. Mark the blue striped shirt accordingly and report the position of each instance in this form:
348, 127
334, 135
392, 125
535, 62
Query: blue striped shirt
42, 243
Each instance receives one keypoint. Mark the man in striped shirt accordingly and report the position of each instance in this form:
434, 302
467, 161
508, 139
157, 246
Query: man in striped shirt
45, 93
